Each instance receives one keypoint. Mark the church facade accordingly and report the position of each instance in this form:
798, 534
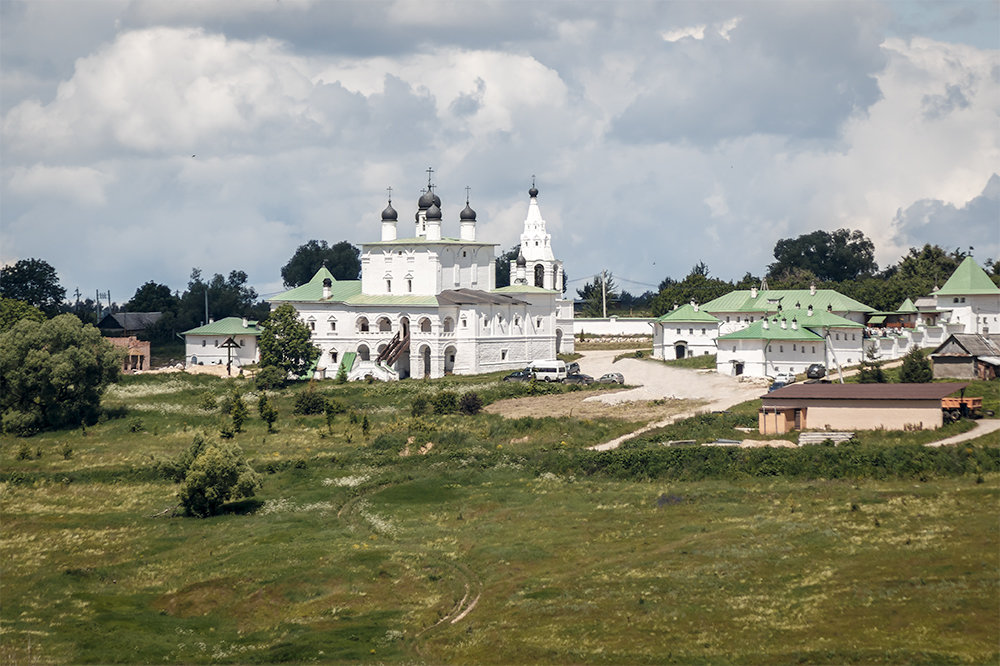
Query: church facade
427, 304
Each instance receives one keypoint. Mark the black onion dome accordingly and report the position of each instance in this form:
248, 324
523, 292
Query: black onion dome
533, 192
521, 261
437, 199
389, 214
434, 213
427, 200
467, 213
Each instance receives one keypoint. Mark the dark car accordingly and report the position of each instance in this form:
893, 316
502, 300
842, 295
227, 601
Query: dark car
612, 378
816, 371
578, 379
520, 376
776, 385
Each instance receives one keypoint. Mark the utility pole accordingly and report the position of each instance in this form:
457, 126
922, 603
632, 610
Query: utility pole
206, 306
604, 294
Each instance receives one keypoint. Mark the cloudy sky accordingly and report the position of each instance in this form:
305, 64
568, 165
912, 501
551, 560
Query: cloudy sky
143, 138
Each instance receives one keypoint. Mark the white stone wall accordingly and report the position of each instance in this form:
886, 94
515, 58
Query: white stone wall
614, 326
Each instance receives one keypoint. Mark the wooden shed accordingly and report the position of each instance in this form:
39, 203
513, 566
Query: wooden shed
854, 407
967, 356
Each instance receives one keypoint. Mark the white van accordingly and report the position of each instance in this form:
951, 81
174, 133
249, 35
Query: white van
548, 371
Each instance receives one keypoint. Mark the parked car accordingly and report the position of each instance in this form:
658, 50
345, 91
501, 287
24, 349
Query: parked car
525, 375
578, 379
612, 378
816, 371
785, 377
572, 368
776, 385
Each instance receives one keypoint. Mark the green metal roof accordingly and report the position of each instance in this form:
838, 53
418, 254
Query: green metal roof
228, 326
968, 279
877, 319
687, 313
392, 299
340, 290
524, 289
756, 331
423, 241
907, 307
348, 361
768, 301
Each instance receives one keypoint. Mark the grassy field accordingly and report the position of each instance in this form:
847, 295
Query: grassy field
494, 546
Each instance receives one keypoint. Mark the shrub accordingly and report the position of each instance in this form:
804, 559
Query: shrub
240, 413
470, 403
226, 430
309, 401
176, 469
206, 402
23, 424
66, 450
135, 424
342, 375
270, 377
445, 402
24, 451
267, 412
419, 406
219, 473
365, 427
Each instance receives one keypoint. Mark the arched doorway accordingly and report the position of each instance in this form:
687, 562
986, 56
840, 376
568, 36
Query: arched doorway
539, 275
559, 337
680, 350
425, 358
363, 353
738, 369
404, 326
450, 353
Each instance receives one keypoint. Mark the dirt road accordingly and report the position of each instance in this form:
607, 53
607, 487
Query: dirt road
662, 394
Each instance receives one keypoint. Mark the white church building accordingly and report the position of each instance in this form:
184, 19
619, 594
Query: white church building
427, 304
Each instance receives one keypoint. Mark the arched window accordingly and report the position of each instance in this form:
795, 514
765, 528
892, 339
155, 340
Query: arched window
425, 325
384, 325
363, 325
539, 275
449, 325
363, 353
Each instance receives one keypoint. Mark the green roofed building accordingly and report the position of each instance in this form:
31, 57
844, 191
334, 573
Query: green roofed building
684, 332
790, 342
969, 301
230, 340
427, 305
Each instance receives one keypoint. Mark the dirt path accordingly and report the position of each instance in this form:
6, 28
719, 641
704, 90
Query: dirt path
982, 428
662, 394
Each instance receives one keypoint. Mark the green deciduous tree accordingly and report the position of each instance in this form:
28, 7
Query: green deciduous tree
217, 475
840, 255
503, 266
285, 342
916, 368
52, 373
342, 260
35, 282
698, 286
227, 297
153, 297
13, 311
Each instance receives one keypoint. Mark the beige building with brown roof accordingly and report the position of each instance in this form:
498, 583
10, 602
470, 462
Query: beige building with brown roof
854, 407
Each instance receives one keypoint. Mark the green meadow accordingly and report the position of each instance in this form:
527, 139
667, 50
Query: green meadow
468, 539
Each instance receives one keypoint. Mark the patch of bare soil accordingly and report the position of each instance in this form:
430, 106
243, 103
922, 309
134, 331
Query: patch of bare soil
576, 405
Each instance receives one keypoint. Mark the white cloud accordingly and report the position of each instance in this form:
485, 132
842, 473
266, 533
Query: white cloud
651, 155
